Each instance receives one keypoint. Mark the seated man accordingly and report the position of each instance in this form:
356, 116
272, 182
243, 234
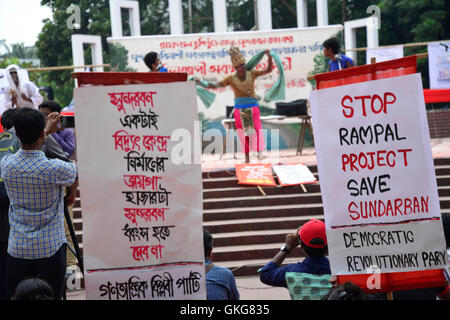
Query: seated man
220, 282
36, 244
313, 240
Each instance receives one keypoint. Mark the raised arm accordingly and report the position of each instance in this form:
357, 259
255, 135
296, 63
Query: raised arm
269, 65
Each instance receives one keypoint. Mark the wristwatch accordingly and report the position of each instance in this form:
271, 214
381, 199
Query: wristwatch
285, 249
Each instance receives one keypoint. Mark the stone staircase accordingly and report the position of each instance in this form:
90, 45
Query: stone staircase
438, 123
249, 227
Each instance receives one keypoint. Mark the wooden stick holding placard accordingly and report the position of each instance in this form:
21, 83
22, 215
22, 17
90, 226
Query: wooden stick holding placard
261, 190
390, 295
303, 187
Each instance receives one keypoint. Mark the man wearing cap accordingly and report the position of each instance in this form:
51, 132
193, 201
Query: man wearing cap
313, 240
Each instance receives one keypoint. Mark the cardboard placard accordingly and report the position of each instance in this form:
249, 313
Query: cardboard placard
255, 174
293, 174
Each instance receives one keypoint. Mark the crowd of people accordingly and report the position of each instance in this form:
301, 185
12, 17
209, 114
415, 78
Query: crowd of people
38, 181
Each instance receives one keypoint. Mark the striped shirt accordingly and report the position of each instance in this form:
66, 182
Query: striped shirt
36, 214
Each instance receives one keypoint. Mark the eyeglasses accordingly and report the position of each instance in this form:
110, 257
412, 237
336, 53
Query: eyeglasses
13, 72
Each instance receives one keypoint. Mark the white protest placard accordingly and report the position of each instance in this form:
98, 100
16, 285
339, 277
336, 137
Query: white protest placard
377, 175
141, 196
439, 65
293, 174
384, 54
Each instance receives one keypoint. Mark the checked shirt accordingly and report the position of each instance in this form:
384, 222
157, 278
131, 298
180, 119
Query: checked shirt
36, 214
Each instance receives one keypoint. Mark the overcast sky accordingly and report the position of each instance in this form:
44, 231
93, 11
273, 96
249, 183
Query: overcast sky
21, 20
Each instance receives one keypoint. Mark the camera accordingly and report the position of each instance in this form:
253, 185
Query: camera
67, 120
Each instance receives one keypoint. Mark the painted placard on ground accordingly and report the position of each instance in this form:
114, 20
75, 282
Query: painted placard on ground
255, 174
377, 177
141, 197
293, 174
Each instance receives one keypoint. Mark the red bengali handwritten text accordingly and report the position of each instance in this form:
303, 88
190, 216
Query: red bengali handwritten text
141, 253
130, 142
146, 214
133, 99
126, 142
141, 181
159, 141
209, 43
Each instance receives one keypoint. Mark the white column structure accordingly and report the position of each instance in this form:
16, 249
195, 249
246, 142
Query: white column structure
264, 15
322, 12
302, 13
220, 15
350, 27
115, 7
176, 17
78, 40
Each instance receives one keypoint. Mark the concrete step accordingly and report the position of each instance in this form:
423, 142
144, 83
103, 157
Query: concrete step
250, 237
247, 191
251, 252
243, 225
268, 200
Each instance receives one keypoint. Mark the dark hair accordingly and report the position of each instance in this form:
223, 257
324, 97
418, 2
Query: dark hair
207, 241
150, 59
33, 289
333, 44
29, 124
52, 105
346, 291
446, 225
8, 119
314, 252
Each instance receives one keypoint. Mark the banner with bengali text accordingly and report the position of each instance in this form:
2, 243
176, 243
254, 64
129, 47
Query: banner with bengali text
141, 196
206, 56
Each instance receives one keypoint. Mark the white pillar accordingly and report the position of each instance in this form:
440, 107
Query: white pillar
264, 15
372, 32
220, 15
350, 27
302, 13
350, 42
78, 52
176, 17
322, 12
115, 7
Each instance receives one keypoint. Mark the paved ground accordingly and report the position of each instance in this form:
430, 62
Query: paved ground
251, 288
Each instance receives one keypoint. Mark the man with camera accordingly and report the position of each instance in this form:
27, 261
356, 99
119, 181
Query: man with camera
36, 243
64, 136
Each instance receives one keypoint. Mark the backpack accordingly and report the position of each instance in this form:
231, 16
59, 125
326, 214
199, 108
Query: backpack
9, 143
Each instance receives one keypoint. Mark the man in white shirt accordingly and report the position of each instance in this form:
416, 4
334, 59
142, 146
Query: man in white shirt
20, 92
